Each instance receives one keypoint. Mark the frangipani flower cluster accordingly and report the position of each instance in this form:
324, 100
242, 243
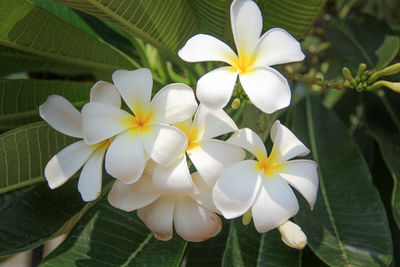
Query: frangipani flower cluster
149, 149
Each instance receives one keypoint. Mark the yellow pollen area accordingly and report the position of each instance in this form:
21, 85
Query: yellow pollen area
192, 134
140, 123
269, 165
243, 64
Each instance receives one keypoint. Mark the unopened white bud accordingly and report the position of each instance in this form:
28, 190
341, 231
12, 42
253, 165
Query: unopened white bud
292, 235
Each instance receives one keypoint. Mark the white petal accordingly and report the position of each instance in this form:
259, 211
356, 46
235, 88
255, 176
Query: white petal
204, 47
164, 143
212, 157
135, 88
203, 192
286, 143
277, 46
174, 179
275, 204
267, 89
60, 114
105, 93
101, 122
125, 157
214, 89
129, 197
236, 190
246, 22
249, 140
67, 162
173, 103
150, 166
158, 217
213, 122
193, 222
302, 175
89, 184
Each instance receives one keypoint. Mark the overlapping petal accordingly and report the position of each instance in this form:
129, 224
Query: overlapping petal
130, 197
246, 22
212, 157
193, 222
213, 122
125, 158
66, 163
267, 89
101, 122
249, 140
174, 179
158, 217
203, 193
286, 143
105, 93
215, 88
277, 46
164, 143
275, 204
90, 180
60, 114
236, 190
135, 88
302, 175
204, 47
173, 103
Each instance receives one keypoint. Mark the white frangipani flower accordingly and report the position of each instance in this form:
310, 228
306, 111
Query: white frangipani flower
262, 184
145, 134
266, 88
190, 214
292, 235
209, 156
65, 118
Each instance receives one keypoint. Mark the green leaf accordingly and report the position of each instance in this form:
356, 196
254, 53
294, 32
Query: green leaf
167, 25
362, 39
247, 247
109, 236
294, 16
20, 99
348, 226
32, 215
27, 27
389, 145
14, 60
25, 152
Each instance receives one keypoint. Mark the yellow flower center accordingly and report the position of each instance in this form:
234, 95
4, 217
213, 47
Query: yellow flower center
269, 165
243, 64
192, 134
141, 121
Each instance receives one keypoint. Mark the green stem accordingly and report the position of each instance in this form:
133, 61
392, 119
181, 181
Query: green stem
305, 78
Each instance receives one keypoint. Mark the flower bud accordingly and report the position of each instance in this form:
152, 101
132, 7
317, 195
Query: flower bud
347, 74
391, 70
246, 218
391, 85
292, 235
235, 103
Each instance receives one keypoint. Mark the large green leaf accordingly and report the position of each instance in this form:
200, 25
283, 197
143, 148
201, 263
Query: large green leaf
362, 39
348, 226
167, 25
20, 99
247, 247
25, 152
14, 60
26, 27
294, 16
109, 236
31, 215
